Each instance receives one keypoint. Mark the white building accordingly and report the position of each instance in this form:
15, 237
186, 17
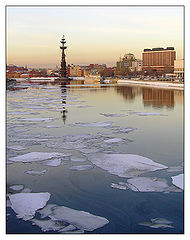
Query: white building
137, 65
179, 68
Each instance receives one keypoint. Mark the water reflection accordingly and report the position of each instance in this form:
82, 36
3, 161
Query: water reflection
158, 97
64, 96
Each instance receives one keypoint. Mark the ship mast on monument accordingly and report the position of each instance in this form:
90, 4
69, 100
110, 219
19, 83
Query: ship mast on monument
63, 70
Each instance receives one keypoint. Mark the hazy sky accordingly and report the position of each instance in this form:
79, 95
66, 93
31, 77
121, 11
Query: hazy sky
93, 34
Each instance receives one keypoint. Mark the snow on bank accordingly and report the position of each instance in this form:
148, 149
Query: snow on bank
125, 165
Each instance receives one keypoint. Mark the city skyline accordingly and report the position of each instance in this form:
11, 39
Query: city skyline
93, 34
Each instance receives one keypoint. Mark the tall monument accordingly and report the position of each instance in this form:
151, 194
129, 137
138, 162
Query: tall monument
63, 70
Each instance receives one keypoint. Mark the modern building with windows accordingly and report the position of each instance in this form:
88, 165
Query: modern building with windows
159, 60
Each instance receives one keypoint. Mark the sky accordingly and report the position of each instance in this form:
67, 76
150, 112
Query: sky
93, 34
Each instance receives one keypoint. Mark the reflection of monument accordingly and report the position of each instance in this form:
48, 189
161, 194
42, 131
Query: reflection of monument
158, 97
64, 95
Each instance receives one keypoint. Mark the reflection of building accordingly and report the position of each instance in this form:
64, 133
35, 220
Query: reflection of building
129, 93
179, 68
179, 96
159, 59
158, 97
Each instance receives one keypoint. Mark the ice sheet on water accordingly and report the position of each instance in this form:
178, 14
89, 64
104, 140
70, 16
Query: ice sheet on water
37, 119
125, 165
81, 167
36, 156
148, 114
118, 186
178, 181
25, 205
19, 113
94, 124
113, 115
77, 159
80, 219
16, 187
125, 130
17, 148
26, 190
49, 225
157, 223
47, 210
69, 228
53, 126
114, 140
89, 150
36, 173
52, 163
148, 184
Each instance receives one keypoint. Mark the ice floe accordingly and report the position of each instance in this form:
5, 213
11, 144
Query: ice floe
125, 130
178, 180
113, 115
94, 124
17, 148
118, 186
16, 187
148, 114
36, 173
114, 140
77, 159
81, 167
47, 210
49, 225
52, 163
125, 165
26, 204
37, 119
175, 169
36, 156
80, 219
157, 223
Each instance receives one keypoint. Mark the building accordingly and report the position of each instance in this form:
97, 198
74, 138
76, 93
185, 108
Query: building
75, 71
158, 60
137, 65
128, 64
179, 68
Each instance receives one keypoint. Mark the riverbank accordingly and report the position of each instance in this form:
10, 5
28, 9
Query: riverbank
158, 84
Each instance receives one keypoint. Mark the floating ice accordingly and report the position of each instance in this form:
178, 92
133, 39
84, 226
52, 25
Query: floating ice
157, 223
26, 204
94, 124
88, 151
37, 119
81, 167
178, 181
118, 186
77, 159
53, 126
47, 210
68, 228
125, 130
113, 115
114, 140
17, 187
147, 184
36, 173
36, 156
19, 113
17, 148
148, 114
49, 225
52, 163
80, 219
125, 165
26, 190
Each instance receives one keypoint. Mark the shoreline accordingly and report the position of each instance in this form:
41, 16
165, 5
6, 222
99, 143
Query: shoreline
156, 84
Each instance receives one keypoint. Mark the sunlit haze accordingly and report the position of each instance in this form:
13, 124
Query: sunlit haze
93, 34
